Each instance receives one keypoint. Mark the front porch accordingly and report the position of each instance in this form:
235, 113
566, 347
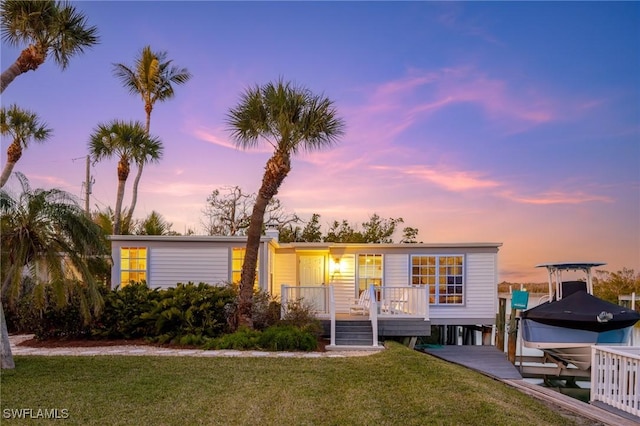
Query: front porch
380, 312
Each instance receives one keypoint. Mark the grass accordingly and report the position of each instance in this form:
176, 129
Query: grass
395, 387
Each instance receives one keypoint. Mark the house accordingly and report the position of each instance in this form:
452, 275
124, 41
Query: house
415, 286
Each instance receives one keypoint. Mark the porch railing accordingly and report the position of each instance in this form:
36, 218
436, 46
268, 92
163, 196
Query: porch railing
615, 377
390, 301
403, 301
314, 297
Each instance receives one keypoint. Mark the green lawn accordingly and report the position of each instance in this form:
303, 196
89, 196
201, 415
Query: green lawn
395, 387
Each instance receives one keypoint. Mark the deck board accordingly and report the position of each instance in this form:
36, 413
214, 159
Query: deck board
484, 359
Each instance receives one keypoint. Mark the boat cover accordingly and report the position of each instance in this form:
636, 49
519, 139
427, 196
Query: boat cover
582, 311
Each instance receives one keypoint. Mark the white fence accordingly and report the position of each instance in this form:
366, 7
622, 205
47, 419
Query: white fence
314, 297
390, 301
615, 377
404, 301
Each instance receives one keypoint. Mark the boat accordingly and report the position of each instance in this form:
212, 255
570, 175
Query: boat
572, 319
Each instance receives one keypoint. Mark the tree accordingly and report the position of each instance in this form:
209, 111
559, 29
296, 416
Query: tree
610, 285
290, 119
152, 77
124, 140
105, 220
46, 234
409, 235
343, 232
229, 212
379, 230
22, 126
312, 232
46, 26
155, 224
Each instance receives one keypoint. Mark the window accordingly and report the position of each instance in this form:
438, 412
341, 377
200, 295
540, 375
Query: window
443, 274
369, 271
133, 265
237, 259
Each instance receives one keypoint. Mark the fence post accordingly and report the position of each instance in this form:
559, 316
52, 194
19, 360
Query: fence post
283, 299
500, 323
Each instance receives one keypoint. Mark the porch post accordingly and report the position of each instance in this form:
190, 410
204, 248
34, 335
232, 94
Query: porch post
283, 300
332, 314
373, 314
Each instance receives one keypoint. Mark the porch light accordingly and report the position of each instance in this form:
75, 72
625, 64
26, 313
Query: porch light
335, 266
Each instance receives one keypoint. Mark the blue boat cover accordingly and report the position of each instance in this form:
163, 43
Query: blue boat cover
582, 311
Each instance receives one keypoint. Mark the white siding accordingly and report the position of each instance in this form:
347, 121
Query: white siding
481, 291
169, 266
284, 271
344, 283
396, 270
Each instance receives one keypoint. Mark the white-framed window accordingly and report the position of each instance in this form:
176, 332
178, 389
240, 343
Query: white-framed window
443, 274
237, 259
369, 271
133, 265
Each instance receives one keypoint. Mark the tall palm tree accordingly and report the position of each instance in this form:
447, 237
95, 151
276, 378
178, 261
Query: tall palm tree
22, 126
46, 234
124, 140
152, 77
46, 26
290, 119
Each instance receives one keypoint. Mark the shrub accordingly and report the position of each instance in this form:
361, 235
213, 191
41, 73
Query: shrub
45, 317
189, 309
288, 338
265, 310
243, 338
302, 316
122, 314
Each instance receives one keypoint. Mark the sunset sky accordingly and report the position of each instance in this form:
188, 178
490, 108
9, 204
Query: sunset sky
511, 122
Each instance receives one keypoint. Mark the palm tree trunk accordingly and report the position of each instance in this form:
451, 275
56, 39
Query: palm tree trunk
276, 171
118, 210
6, 172
248, 276
9, 75
6, 357
134, 196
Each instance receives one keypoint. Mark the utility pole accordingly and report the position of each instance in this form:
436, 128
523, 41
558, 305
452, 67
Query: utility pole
89, 181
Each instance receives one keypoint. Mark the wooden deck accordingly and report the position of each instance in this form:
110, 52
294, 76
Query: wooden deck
492, 362
487, 360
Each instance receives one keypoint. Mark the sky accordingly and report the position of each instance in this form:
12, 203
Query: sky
509, 122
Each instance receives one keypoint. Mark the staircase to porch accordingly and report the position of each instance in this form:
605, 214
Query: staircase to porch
354, 333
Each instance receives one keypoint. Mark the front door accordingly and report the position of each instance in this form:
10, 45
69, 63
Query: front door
311, 273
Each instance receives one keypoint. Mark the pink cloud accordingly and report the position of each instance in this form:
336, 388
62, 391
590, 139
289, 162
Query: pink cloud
451, 180
559, 197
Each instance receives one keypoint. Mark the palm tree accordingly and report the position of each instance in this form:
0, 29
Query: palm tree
46, 234
22, 126
155, 224
290, 119
105, 220
125, 141
152, 77
47, 26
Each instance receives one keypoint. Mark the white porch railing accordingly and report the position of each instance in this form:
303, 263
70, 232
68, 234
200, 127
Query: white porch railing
615, 377
403, 301
315, 297
389, 301
373, 315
